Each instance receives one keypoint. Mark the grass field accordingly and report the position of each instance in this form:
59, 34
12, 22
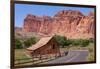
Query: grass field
20, 55
22, 59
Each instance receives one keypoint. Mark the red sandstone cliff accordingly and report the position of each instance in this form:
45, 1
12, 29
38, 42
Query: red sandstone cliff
69, 23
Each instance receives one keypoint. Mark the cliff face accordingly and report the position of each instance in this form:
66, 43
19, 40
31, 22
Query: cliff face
72, 24
18, 29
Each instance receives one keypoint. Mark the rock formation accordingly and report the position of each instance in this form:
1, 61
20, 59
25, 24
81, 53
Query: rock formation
18, 29
69, 23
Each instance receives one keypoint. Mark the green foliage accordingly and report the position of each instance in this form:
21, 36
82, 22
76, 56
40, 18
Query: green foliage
18, 44
29, 42
85, 43
80, 42
63, 41
91, 40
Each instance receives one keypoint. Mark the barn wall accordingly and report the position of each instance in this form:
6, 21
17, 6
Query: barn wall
47, 49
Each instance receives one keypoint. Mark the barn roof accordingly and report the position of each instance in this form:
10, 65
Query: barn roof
40, 43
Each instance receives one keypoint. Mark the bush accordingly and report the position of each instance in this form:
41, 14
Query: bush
67, 42
76, 42
81, 42
85, 43
18, 44
62, 40
29, 42
91, 40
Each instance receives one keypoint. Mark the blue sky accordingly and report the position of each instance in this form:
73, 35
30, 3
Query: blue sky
21, 11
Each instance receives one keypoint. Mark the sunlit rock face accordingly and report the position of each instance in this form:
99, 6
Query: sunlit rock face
69, 23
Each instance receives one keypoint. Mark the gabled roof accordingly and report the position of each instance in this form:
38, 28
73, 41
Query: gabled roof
43, 41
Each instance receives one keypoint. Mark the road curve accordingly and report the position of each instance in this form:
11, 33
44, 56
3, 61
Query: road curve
73, 56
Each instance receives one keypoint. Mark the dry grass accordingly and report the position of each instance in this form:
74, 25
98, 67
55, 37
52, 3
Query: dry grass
21, 59
20, 54
91, 56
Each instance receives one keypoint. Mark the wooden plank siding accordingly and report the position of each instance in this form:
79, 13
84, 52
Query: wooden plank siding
50, 48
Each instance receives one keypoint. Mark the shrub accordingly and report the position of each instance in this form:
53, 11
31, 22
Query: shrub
62, 40
85, 43
29, 42
18, 44
68, 42
91, 40
81, 42
76, 42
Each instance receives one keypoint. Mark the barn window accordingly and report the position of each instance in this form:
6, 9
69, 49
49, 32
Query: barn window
53, 47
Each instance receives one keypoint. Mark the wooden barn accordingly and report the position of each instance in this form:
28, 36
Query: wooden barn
46, 46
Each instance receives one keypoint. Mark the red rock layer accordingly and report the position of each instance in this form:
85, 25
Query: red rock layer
69, 23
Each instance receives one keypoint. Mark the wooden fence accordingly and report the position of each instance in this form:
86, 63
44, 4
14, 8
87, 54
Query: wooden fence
20, 62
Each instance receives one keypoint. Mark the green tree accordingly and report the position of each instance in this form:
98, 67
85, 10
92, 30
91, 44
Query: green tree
18, 44
80, 42
30, 41
76, 42
62, 40
85, 43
